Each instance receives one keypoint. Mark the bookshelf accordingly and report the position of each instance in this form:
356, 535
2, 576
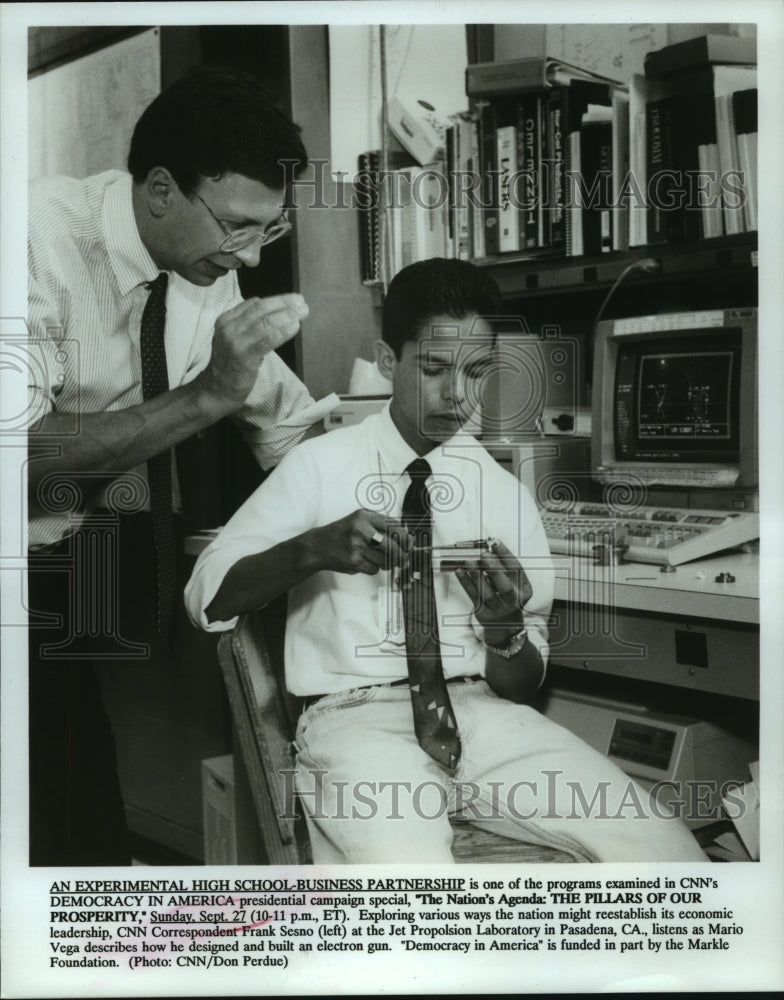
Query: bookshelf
727, 258
592, 128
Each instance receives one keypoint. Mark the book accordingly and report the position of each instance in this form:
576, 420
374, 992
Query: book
578, 97
366, 188
529, 135
676, 124
659, 157
465, 218
458, 225
744, 106
700, 51
596, 170
488, 115
620, 169
508, 224
509, 77
542, 153
573, 212
449, 152
729, 162
711, 214
557, 173
635, 190
370, 196
477, 211
727, 80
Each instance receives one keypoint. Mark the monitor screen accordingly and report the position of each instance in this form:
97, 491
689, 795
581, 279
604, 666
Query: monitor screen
678, 400
675, 400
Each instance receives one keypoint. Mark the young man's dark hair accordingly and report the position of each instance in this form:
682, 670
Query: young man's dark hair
436, 287
212, 122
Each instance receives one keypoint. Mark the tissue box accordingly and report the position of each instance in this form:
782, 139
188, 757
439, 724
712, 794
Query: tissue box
417, 126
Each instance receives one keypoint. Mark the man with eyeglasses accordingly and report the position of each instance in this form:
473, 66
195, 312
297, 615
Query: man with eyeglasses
139, 339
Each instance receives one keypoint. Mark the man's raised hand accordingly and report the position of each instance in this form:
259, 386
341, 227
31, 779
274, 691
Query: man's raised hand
243, 336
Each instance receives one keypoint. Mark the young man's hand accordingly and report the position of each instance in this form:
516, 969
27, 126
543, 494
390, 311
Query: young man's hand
499, 590
362, 542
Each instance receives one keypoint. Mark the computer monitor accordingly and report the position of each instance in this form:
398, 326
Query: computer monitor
675, 400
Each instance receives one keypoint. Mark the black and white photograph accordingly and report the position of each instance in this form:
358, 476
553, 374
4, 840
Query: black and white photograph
391, 498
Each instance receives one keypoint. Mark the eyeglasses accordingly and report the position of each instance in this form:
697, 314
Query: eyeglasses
241, 239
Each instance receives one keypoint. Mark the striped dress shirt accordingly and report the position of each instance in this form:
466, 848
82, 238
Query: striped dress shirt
88, 273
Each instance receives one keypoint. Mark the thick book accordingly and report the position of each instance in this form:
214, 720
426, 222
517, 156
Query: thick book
700, 51
578, 98
557, 166
620, 170
542, 153
596, 169
659, 142
496, 79
744, 107
529, 161
677, 124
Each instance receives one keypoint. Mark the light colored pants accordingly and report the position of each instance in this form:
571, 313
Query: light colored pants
372, 795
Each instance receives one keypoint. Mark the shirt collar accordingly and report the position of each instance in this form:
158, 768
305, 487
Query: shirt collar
128, 256
395, 455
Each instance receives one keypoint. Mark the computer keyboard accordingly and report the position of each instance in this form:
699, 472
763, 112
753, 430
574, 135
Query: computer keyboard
661, 475
667, 536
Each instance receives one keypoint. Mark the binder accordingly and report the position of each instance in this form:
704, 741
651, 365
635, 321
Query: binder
701, 51
531, 73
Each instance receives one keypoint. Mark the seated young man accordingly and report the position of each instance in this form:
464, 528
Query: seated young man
413, 674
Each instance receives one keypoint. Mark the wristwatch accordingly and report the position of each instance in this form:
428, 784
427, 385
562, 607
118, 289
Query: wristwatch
512, 646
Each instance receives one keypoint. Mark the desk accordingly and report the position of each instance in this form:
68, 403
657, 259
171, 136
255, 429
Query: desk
682, 628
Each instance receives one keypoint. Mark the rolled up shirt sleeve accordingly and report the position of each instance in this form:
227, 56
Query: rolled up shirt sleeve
280, 509
279, 411
47, 350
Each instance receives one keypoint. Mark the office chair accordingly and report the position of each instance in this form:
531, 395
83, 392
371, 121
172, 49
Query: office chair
265, 716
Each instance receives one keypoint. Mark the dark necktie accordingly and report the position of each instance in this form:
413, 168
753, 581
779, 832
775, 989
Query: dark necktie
155, 380
434, 718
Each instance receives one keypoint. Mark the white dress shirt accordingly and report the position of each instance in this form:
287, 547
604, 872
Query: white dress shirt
88, 271
345, 630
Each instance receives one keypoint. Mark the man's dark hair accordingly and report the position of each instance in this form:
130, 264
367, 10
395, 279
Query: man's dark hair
436, 287
215, 121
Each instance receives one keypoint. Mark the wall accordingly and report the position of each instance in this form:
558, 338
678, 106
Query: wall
614, 50
343, 322
82, 113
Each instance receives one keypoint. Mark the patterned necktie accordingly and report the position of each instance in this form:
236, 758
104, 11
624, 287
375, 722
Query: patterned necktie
155, 380
434, 718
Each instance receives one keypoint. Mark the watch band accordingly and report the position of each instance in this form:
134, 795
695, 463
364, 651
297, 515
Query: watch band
512, 646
